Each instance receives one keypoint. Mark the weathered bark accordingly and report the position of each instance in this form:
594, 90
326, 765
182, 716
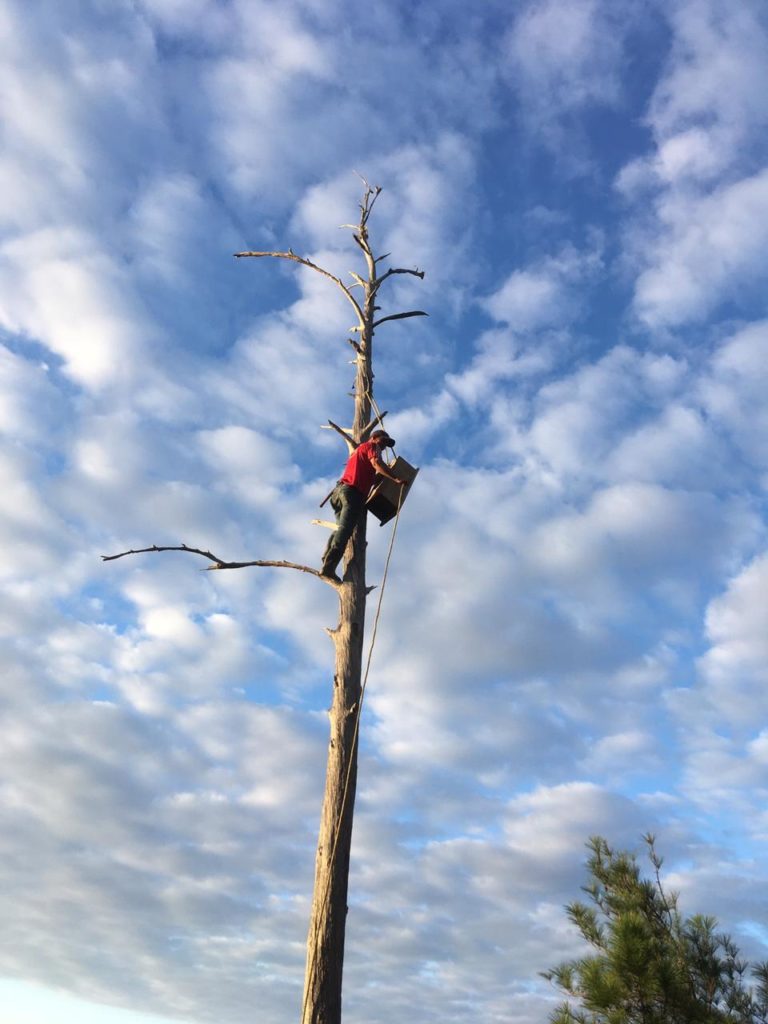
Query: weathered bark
327, 926
325, 941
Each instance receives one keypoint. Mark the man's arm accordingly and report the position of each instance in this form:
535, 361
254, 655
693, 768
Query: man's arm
383, 470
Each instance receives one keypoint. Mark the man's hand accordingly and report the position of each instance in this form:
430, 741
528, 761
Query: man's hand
396, 479
382, 470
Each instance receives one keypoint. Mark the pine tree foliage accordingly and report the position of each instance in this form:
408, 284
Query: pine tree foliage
651, 965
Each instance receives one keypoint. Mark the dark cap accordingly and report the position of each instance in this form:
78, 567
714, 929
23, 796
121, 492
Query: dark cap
383, 438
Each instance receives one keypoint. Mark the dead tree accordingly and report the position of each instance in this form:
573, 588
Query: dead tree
325, 942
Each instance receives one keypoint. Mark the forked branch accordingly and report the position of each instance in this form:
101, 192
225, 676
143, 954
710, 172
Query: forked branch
371, 194
396, 270
219, 563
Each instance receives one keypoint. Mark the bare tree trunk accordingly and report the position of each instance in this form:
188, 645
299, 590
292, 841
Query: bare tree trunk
325, 943
327, 926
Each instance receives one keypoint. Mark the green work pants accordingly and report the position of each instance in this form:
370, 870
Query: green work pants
348, 505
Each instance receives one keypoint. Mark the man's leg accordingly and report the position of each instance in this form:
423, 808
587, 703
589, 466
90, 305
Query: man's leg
336, 505
349, 505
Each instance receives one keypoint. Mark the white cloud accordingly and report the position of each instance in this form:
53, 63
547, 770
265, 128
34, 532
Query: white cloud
707, 250
501, 356
720, 717
691, 154
113, 822
649, 531
705, 113
308, 69
164, 218
548, 294
566, 52
566, 58
418, 424
581, 502
715, 77
701, 192
554, 820
261, 383
527, 300
248, 464
61, 290
733, 390
737, 626
623, 754
34, 1004
32, 531
29, 402
680, 446
577, 418
186, 16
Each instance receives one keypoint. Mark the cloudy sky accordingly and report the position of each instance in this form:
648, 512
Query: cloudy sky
574, 638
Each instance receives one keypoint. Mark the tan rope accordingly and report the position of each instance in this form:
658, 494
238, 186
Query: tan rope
311, 965
376, 409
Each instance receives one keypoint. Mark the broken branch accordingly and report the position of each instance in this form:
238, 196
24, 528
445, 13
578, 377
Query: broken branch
397, 270
399, 316
379, 418
290, 255
219, 563
347, 437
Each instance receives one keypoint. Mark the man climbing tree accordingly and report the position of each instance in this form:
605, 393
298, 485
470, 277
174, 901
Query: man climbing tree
348, 496
325, 943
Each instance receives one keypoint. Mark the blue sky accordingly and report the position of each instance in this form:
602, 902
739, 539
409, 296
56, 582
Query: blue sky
575, 633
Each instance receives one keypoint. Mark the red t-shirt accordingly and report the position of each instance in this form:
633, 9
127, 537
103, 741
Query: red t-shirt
360, 471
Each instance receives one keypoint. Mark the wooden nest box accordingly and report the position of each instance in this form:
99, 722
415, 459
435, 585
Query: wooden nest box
383, 499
